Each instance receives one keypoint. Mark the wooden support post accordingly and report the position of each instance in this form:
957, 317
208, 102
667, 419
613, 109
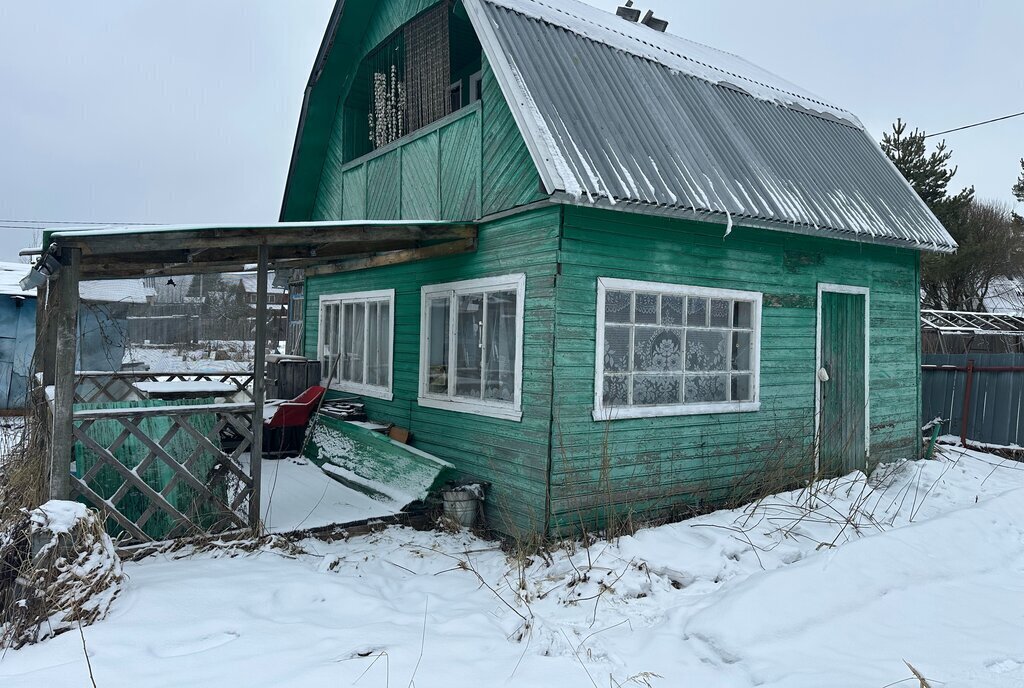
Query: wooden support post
259, 387
64, 320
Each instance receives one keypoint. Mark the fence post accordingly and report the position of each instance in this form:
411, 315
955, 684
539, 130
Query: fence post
63, 308
965, 412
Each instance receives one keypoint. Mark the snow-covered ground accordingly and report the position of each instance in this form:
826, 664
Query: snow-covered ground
837, 587
299, 496
235, 357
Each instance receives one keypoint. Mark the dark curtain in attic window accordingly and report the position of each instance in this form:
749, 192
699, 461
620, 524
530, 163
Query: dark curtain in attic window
406, 81
427, 67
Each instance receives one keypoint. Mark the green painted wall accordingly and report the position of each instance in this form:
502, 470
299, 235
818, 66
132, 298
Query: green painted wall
661, 464
472, 164
511, 455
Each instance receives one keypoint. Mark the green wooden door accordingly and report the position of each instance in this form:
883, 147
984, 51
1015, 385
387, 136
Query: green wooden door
842, 384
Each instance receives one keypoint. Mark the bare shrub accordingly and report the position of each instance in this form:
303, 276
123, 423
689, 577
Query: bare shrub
58, 571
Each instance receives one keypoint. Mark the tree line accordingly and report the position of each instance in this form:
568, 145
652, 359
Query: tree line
990, 234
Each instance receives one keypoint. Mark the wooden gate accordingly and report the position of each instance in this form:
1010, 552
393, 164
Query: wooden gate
842, 398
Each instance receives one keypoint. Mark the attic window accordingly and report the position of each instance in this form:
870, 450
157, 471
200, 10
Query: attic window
418, 75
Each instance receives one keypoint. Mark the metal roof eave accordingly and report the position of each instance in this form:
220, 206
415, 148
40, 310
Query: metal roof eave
716, 217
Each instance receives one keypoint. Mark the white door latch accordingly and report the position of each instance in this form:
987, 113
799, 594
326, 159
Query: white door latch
823, 375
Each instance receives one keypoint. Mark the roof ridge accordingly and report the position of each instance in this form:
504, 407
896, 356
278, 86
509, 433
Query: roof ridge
510, 6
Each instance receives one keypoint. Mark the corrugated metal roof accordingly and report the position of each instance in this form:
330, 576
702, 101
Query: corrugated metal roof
617, 114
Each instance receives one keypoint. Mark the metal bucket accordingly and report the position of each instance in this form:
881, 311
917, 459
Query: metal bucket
461, 506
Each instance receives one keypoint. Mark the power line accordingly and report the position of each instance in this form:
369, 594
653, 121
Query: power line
68, 222
976, 124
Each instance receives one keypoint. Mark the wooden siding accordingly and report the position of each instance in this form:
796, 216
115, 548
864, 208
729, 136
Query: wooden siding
460, 160
510, 178
472, 164
663, 464
512, 455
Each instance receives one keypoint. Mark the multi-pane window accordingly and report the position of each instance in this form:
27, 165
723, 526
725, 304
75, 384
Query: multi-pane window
471, 349
671, 350
356, 335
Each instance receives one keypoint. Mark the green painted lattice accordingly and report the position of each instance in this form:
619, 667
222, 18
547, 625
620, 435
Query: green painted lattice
158, 474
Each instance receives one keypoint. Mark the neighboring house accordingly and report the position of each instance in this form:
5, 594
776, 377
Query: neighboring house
102, 328
182, 290
1005, 295
686, 268
206, 307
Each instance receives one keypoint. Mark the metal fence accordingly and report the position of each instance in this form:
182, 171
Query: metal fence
981, 396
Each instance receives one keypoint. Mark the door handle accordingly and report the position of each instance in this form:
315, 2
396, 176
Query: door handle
823, 374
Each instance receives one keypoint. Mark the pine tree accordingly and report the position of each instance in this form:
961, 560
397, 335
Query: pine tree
1018, 188
928, 173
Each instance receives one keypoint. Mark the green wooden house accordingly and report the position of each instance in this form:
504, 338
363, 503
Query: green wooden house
688, 274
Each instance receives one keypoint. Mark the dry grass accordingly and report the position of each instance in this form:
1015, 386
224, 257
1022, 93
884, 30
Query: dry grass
53, 579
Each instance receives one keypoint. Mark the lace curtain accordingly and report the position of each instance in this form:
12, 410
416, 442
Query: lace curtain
668, 349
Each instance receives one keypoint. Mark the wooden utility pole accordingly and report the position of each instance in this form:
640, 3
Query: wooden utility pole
62, 313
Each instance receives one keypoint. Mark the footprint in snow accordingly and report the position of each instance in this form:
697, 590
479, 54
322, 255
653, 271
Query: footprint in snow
1004, 666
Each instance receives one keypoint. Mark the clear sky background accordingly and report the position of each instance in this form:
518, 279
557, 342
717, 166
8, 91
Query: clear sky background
185, 111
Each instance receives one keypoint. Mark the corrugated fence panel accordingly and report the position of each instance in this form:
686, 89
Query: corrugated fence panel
996, 402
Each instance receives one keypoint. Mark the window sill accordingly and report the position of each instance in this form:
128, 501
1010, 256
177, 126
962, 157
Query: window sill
625, 412
364, 391
503, 412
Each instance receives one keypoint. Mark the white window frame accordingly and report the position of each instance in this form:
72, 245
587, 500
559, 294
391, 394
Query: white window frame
374, 391
602, 413
456, 86
449, 402
476, 87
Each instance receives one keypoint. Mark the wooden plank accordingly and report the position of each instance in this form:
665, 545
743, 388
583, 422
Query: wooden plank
109, 512
450, 248
251, 237
157, 411
64, 313
420, 186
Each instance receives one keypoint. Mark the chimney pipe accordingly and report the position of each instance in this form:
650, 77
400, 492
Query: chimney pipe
628, 12
653, 22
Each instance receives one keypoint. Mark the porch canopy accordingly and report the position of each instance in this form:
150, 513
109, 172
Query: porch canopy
97, 253
317, 247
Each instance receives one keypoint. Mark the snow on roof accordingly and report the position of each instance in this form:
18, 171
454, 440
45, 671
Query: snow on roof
958, 322
249, 282
108, 291
115, 230
1005, 296
10, 278
681, 54
618, 115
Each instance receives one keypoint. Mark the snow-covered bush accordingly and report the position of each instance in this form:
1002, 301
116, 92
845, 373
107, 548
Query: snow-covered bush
58, 571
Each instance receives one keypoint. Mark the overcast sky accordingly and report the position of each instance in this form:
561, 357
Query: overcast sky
169, 112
